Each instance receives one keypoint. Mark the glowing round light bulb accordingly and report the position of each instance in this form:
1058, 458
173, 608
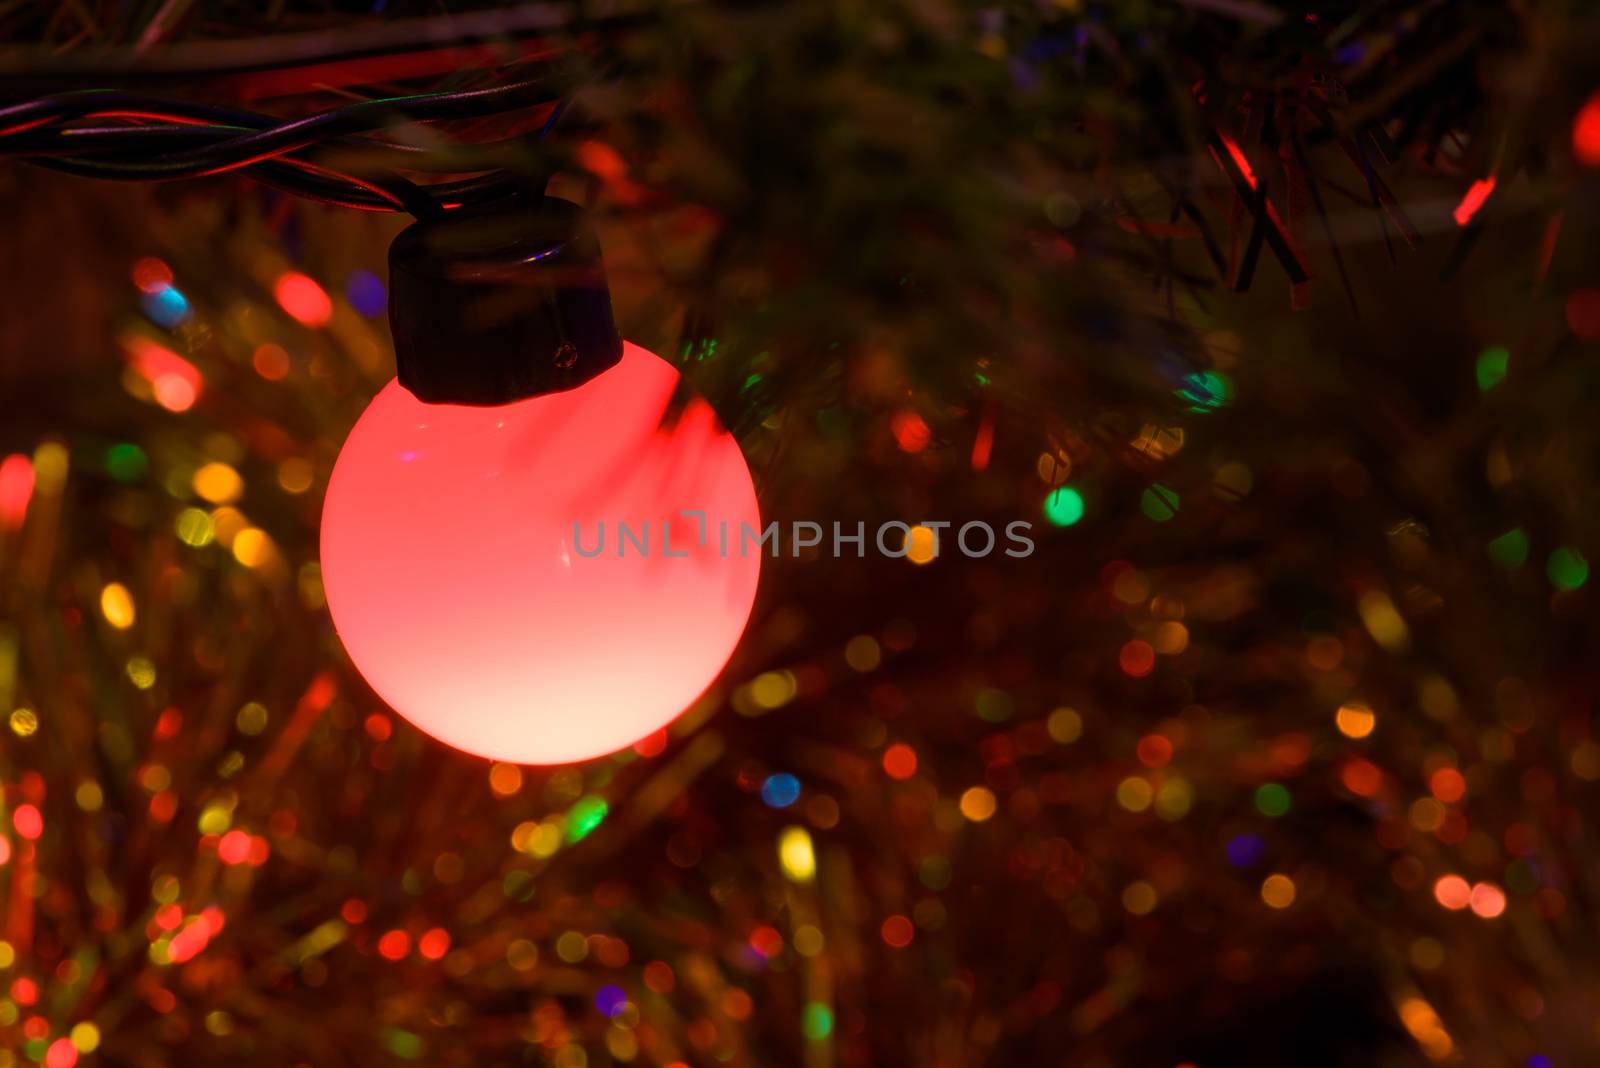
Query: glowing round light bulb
459, 559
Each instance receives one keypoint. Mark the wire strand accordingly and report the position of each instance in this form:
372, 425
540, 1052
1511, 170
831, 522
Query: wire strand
165, 140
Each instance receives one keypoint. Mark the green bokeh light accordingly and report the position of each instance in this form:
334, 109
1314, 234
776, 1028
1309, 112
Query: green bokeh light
1567, 569
1492, 365
1064, 506
1510, 549
1207, 390
1159, 503
404, 1044
1272, 799
817, 1021
126, 462
584, 817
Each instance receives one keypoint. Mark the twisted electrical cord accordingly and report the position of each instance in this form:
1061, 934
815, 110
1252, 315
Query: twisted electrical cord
163, 140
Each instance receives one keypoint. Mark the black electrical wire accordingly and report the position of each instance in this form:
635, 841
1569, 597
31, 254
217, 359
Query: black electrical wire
165, 140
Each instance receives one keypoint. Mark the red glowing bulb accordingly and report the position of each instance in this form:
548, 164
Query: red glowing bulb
459, 559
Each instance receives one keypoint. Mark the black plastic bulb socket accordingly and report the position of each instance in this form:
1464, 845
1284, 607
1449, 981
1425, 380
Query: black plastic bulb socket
500, 303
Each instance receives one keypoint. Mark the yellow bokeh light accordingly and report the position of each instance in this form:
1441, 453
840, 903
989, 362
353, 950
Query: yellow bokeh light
49, 468
545, 840
24, 721
1065, 726
295, 475
218, 483
216, 817
572, 947
253, 548
1140, 898
8, 955
1383, 621
89, 796
1171, 638
978, 804
1438, 698
116, 604
773, 689
141, 672
193, 527
862, 652
1174, 799
808, 940
252, 718
1585, 760
1427, 814
921, 545
795, 855
1355, 720
1278, 891
85, 1037
1134, 794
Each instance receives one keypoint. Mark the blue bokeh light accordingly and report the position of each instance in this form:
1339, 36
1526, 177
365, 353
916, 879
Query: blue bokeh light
610, 999
166, 306
780, 790
367, 293
1246, 850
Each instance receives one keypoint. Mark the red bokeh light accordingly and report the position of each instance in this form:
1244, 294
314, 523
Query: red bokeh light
303, 298
1583, 314
151, 275
434, 944
1586, 132
1154, 750
897, 932
394, 945
900, 761
28, 821
16, 490
910, 431
1137, 658
61, 1054
234, 847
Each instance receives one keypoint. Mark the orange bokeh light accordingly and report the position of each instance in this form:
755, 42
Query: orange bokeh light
1488, 900
1362, 778
1448, 785
1154, 750
1452, 891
